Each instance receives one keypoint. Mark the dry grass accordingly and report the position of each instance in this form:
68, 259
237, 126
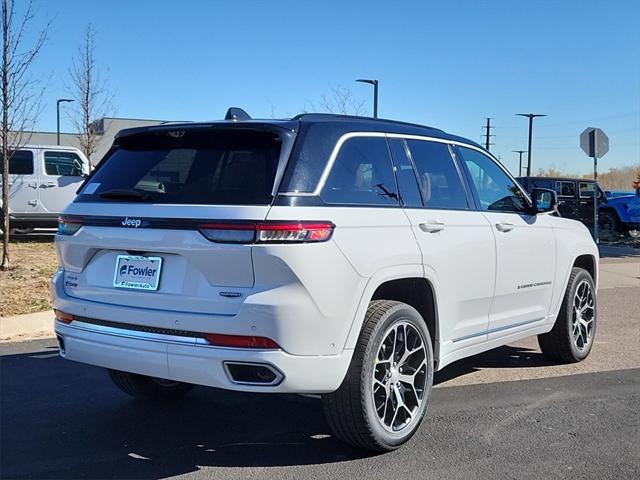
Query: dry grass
24, 288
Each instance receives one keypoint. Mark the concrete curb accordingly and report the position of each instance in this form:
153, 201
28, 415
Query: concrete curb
21, 327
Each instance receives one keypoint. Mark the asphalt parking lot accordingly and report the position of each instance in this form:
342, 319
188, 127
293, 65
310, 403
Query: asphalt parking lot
507, 413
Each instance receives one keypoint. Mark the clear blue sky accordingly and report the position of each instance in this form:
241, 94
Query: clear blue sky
447, 64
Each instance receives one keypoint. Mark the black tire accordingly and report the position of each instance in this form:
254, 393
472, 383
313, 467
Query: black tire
148, 388
608, 221
351, 411
560, 343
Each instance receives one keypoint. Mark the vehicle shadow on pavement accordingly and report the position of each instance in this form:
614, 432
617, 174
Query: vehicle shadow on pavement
62, 419
502, 357
66, 420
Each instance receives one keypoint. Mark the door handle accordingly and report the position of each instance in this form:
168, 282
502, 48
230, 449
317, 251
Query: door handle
33, 184
431, 227
33, 203
504, 226
48, 184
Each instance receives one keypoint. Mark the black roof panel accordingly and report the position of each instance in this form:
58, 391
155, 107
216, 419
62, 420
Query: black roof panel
344, 123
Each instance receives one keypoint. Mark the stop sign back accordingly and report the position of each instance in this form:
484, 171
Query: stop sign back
594, 142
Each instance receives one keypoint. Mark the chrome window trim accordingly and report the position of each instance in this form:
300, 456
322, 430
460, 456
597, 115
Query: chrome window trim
336, 149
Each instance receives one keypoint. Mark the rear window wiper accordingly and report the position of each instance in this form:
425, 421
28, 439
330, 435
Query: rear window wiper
126, 194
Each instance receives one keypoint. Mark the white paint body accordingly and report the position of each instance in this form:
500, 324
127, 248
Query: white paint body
496, 277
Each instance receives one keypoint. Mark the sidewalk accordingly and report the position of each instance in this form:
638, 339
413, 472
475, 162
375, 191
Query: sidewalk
24, 327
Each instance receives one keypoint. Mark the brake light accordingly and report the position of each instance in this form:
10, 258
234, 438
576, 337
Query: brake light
294, 232
68, 225
268, 232
240, 341
63, 317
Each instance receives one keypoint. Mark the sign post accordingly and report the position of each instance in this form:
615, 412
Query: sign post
595, 143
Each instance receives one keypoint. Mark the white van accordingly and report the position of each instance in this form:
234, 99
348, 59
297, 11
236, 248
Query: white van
42, 181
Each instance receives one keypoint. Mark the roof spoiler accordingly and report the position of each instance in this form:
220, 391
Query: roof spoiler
235, 114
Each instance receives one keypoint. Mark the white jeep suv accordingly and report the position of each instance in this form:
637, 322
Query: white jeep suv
342, 256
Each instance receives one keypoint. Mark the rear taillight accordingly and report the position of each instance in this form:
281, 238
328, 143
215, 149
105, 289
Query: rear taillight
240, 341
268, 232
69, 225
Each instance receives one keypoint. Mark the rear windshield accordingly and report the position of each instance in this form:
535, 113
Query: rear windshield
222, 167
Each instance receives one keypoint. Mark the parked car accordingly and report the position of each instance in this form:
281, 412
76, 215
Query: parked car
575, 195
43, 180
620, 213
610, 194
343, 256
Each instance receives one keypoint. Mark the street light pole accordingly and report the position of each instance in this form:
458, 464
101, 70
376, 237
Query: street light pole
375, 93
530, 116
520, 152
58, 102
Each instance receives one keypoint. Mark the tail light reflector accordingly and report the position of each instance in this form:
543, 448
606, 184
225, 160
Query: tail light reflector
63, 317
240, 341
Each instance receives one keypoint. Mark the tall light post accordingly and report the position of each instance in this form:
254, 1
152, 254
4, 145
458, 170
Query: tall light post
375, 94
520, 152
58, 102
530, 116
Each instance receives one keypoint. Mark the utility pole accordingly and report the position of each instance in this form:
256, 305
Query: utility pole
530, 116
520, 152
487, 134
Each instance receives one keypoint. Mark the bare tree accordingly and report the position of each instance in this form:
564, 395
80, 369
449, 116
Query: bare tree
92, 96
636, 183
21, 95
340, 100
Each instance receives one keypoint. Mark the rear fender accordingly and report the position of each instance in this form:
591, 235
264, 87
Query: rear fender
381, 276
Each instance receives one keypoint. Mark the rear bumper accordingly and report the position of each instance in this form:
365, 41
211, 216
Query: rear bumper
183, 359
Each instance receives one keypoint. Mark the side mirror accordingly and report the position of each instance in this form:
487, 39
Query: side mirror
544, 200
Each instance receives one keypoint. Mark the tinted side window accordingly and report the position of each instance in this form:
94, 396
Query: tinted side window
496, 191
438, 177
20, 163
62, 163
362, 174
586, 190
405, 174
566, 189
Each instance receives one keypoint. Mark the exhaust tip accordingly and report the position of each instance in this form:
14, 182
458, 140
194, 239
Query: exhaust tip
246, 373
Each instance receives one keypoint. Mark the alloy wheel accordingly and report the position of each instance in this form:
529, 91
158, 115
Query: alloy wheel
399, 376
583, 318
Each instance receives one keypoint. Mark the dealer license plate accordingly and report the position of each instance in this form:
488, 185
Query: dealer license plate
137, 272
